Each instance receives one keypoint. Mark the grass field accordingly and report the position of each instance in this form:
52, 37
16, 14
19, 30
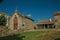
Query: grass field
33, 35
24, 36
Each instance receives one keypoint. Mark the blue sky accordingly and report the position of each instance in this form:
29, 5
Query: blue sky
37, 9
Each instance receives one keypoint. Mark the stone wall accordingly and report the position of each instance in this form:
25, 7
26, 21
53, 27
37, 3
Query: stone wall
11, 26
28, 24
4, 31
57, 21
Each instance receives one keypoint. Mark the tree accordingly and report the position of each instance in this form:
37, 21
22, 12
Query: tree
3, 20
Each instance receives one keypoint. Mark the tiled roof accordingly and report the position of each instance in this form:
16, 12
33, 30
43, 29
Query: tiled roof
20, 14
25, 16
45, 22
28, 18
57, 13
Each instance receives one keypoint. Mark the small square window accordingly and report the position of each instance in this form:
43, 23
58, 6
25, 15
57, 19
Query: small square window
22, 24
55, 20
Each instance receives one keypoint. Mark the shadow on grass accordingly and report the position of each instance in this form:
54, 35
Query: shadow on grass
57, 39
12, 37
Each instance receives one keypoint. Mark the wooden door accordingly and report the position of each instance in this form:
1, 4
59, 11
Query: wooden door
15, 23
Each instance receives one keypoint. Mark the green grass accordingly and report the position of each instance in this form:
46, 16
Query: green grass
24, 36
32, 35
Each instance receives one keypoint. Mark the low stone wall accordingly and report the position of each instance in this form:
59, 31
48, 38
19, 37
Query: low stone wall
3, 30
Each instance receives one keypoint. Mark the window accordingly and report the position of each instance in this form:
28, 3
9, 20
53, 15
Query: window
55, 20
22, 24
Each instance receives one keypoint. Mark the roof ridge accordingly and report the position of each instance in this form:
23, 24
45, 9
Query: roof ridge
25, 16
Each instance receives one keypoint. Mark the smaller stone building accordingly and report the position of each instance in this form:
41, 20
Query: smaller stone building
55, 23
45, 24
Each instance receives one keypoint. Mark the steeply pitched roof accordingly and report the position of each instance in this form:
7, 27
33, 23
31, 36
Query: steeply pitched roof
25, 16
16, 11
28, 18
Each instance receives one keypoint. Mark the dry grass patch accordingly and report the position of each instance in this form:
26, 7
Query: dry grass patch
52, 35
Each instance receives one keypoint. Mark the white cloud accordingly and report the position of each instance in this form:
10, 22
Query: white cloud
29, 15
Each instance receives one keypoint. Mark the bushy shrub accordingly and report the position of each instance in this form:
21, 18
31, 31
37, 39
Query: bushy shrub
3, 20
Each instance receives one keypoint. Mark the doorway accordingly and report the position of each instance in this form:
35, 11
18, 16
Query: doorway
15, 22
